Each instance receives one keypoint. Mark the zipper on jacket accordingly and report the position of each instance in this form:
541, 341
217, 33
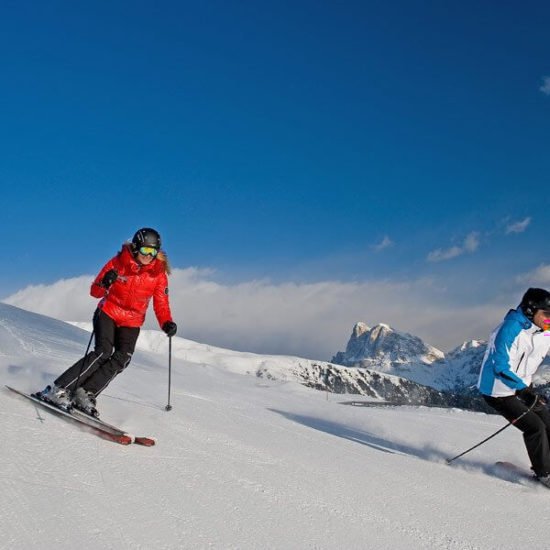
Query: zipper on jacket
520, 360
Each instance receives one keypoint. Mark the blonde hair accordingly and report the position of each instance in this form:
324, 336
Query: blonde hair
161, 256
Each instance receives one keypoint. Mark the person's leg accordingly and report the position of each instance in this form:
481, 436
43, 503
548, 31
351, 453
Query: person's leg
104, 336
125, 343
532, 426
541, 410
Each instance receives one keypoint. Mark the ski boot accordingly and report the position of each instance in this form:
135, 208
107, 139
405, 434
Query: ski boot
59, 397
545, 480
85, 401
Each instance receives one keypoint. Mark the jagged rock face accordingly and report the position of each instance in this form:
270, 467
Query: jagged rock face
359, 329
384, 349
383, 344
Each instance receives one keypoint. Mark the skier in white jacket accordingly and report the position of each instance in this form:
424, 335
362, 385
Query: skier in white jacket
515, 351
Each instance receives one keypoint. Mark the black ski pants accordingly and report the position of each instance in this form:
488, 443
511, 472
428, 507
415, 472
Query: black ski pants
112, 353
535, 426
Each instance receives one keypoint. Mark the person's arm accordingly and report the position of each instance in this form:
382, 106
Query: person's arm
98, 288
161, 304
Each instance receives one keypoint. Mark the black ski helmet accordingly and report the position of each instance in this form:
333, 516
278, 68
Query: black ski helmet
146, 237
533, 300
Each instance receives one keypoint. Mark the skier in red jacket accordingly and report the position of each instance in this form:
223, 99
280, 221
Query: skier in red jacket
125, 286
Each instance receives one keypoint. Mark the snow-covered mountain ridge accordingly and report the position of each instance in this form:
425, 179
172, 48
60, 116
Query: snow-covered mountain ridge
20, 332
315, 374
386, 350
320, 375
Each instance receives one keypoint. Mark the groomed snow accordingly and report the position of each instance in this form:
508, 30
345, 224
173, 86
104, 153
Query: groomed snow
244, 462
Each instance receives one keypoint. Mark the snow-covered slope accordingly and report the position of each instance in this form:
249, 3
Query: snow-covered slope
245, 462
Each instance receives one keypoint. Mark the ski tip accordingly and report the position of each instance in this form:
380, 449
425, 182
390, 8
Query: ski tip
121, 439
125, 439
145, 441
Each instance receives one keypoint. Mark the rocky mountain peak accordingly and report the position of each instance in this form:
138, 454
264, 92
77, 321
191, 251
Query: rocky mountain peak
385, 349
359, 329
468, 348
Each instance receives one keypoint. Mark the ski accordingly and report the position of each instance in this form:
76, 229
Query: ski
138, 440
114, 435
145, 441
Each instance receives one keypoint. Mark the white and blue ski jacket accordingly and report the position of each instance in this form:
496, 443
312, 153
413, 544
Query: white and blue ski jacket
515, 351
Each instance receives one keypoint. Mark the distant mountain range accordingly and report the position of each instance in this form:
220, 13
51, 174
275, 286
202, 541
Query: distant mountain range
24, 334
386, 350
379, 363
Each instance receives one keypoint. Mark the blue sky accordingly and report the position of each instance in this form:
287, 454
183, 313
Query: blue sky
294, 142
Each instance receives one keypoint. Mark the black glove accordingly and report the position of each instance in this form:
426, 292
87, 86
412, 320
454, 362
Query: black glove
170, 328
528, 396
109, 278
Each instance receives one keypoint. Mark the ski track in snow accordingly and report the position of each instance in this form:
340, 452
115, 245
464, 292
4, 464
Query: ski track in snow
247, 464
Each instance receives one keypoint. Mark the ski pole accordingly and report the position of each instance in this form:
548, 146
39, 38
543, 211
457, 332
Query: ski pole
83, 362
81, 370
449, 460
168, 406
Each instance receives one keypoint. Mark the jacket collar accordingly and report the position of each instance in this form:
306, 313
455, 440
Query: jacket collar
518, 316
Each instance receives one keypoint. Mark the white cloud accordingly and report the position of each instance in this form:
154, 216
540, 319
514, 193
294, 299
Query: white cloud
440, 255
66, 299
545, 88
311, 320
470, 245
538, 277
386, 242
471, 242
518, 227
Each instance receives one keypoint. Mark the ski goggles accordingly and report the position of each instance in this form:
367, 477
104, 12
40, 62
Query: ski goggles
148, 251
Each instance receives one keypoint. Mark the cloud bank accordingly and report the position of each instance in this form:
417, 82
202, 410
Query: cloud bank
311, 320
545, 88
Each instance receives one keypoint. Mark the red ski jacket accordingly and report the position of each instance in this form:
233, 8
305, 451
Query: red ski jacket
127, 299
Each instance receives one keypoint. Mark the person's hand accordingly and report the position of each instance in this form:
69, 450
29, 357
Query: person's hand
109, 278
528, 396
170, 328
